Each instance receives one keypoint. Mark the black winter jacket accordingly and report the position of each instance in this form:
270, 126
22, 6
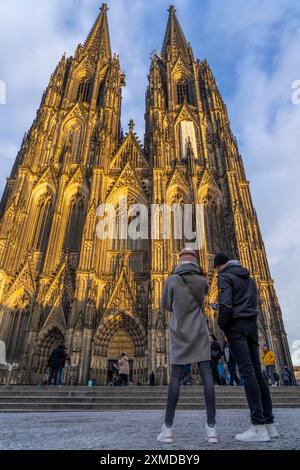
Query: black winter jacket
57, 358
237, 294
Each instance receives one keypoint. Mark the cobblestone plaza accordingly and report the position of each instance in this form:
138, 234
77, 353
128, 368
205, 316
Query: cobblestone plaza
136, 430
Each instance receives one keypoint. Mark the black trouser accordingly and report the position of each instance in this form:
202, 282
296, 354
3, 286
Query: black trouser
242, 336
53, 375
209, 392
215, 373
123, 379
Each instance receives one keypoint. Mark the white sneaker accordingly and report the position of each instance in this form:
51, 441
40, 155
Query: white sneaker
272, 431
166, 435
256, 433
211, 434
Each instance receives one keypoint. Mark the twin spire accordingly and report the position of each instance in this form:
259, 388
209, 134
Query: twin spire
98, 38
174, 40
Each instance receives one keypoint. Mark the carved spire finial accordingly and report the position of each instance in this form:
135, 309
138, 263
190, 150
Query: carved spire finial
131, 125
104, 7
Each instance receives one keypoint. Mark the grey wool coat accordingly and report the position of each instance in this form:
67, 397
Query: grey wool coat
189, 337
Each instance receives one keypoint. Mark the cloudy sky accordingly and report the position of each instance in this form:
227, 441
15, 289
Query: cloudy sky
253, 48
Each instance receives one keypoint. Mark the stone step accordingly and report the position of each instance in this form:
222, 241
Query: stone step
65, 407
130, 387
38, 399
135, 390
133, 400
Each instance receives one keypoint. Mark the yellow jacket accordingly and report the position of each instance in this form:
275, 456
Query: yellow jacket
268, 358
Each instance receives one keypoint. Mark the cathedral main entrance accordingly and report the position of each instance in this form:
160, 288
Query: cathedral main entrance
119, 333
45, 345
120, 343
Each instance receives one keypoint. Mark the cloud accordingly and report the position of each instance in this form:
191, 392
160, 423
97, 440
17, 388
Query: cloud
267, 122
253, 48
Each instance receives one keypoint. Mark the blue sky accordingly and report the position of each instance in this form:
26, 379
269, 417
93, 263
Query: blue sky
253, 48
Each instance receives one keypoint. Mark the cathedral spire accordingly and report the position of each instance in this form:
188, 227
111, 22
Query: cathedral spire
98, 39
174, 40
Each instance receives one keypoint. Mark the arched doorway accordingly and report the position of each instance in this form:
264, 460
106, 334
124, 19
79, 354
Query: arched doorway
48, 341
120, 343
116, 334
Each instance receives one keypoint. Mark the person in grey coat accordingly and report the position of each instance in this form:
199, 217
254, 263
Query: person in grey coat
183, 295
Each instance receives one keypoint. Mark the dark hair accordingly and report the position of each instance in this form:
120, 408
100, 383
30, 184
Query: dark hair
213, 336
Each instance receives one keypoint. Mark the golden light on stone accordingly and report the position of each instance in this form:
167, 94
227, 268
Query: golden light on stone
58, 281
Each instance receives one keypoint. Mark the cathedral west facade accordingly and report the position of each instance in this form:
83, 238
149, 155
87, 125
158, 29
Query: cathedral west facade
61, 283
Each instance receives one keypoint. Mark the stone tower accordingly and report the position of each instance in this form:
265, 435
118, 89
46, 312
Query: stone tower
61, 283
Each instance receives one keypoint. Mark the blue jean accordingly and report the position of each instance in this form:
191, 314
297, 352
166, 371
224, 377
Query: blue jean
270, 373
60, 376
233, 374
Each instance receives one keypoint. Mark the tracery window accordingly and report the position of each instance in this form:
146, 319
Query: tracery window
182, 92
75, 225
100, 99
83, 92
43, 224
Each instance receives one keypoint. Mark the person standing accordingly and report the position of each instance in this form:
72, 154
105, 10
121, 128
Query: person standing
231, 364
285, 376
123, 365
291, 380
64, 359
277, 378
55, 362
187, 375
268, 360
222, 373
216, 354
152, 379
183, 295
238, 319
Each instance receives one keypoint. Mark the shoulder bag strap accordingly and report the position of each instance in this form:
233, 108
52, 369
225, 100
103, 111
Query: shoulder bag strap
189, 288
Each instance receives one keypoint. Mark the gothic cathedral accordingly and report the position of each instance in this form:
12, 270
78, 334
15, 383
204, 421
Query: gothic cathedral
60, 283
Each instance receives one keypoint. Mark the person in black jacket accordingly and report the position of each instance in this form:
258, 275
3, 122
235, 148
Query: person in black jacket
216, 354
57, 357
238, 319
231, 363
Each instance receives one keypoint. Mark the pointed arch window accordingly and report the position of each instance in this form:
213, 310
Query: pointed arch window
122, 240
43, 224
18, 322
100, 99
182, 92
188, 141
73, 144
83, 92
75, 225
